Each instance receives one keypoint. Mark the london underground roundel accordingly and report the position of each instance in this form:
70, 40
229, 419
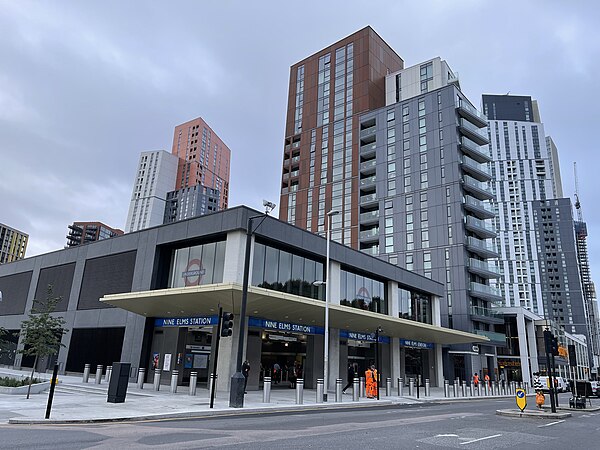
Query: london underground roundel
192, 276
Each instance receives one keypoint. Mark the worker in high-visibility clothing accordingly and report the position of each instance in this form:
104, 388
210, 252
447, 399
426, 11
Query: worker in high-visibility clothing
369, 382
486, 378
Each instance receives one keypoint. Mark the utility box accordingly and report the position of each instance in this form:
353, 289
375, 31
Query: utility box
117, 389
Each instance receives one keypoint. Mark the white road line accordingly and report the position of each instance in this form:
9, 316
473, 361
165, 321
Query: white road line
447, 435
551, 423
480, 439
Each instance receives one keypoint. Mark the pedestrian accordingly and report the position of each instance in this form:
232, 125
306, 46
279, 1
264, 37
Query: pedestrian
245, 372
486, 378
369, 379
276, 373
540, 399
292, 376
476, 379
351, 375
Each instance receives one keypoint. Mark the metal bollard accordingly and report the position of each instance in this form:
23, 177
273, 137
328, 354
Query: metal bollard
503, 388
299, 391
267, 390
464, 388
193, 382
355, 389
427, 387
479, 389
108, 374
388, 387
156, 379
446, 388
527, 387
400, 387
211, 384
411, 387
86, 372
141, 376
487, 388
472, 389
362, 387
496, 389
320, 390
455, 387
174, 376
338, 390
99, 374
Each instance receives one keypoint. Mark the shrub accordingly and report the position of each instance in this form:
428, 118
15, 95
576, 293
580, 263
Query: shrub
13, 382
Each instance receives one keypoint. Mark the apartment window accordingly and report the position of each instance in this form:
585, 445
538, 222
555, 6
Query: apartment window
408, 260
424, 182
410, 241
391, 187
426, 260
406, 146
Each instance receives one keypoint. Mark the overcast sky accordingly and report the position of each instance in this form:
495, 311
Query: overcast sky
86, 86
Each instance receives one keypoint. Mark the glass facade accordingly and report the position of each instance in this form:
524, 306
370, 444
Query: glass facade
285, 272
414, 306
198, 265
363, 292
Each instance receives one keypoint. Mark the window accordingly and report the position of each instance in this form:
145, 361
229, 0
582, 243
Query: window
362, 292
427, 260
409, 262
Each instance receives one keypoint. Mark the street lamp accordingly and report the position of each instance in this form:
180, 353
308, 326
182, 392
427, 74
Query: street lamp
236, 392
377, 331
330, 215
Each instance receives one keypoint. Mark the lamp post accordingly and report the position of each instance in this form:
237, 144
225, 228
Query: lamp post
377, 331
330, 214
236, 392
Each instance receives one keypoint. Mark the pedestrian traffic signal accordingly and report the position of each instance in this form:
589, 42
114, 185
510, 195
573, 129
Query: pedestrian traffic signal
226, 324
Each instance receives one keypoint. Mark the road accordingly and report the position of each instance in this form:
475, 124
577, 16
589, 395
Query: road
466, 424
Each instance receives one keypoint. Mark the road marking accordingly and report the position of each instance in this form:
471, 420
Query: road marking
551, 423
480, 439
447, 435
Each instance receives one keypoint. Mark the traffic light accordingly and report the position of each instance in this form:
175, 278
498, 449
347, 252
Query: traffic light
226, 324
554, 346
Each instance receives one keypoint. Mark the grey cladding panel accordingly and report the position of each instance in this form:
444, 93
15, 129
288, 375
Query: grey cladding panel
61, 279
14, 293
106, 275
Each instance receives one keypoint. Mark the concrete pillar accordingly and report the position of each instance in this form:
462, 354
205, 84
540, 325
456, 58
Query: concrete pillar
334, 359
395, 360
533, 351
235, 248
439, 365
335, 287
393, 303
523, 351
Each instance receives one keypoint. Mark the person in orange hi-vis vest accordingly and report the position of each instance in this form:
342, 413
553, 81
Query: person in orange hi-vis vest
486, 379
476, 379
369, 382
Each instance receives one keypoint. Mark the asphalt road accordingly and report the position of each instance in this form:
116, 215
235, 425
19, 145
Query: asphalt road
468, 424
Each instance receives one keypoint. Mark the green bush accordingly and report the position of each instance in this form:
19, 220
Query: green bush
13, 382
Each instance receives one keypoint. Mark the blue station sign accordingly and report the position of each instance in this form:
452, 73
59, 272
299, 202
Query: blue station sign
368, 337
187, 321
415, 344
277, 325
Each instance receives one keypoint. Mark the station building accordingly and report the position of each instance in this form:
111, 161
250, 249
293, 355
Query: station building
152, 297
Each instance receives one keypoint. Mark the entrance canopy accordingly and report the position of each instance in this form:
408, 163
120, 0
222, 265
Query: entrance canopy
205, 300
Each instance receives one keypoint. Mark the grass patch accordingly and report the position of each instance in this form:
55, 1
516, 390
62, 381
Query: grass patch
13, 382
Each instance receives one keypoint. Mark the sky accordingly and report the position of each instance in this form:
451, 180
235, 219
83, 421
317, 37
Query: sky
86, 86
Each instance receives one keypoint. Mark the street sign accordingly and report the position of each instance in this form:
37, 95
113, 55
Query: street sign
521, 399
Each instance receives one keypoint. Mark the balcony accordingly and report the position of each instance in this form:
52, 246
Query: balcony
481, 248
488, 315
367, 182
478, 208
288, 175
471, 114
485, 292
479, 227
473, 132
367, 132
368, 150
369, 217
368, 167
483, 269
371, 235
497, 338
474, 150
475, 169
477, 188
369, 199
373, 251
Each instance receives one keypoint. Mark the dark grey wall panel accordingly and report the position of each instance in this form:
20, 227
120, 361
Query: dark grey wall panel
106, 275
61, 279
14, 293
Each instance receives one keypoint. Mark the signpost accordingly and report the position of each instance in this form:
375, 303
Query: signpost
521, 399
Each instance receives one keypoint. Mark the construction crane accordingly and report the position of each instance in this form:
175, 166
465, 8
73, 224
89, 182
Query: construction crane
577, 202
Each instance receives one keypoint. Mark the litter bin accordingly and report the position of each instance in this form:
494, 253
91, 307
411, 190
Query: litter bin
117, 388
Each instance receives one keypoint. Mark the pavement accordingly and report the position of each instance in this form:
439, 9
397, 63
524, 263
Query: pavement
78, 402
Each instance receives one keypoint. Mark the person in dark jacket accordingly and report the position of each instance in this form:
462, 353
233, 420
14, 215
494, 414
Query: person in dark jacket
245, 372
351, 376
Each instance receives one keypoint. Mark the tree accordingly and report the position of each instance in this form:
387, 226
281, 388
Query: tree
42, 331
